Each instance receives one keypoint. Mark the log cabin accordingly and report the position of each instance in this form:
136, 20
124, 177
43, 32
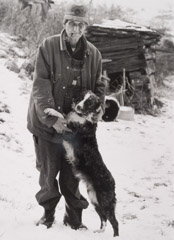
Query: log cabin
128, 55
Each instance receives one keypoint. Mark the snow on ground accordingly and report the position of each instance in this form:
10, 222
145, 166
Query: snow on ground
139, 153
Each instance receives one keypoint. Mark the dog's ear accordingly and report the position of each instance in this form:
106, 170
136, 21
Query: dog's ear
80, 96
76, 100
83, 93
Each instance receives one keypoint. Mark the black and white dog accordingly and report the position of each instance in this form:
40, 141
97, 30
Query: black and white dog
83, 154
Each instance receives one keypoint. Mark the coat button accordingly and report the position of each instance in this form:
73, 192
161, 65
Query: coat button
67, 67
63, 87
58, 107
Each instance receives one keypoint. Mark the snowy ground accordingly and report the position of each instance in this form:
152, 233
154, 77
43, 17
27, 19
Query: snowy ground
139, 153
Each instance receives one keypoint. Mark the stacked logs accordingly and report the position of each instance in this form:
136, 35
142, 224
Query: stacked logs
121, 48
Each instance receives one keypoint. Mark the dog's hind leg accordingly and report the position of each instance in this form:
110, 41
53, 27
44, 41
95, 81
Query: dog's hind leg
112, 219
103, 220
102, 227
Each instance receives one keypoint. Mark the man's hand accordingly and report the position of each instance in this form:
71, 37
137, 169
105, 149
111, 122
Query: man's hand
53, 112
61, 126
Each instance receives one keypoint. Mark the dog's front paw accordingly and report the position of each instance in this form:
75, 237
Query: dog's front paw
99, 230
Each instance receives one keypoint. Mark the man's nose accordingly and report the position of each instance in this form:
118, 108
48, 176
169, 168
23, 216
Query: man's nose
76, 28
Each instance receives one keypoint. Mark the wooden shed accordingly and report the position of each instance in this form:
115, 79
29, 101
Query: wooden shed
128, 60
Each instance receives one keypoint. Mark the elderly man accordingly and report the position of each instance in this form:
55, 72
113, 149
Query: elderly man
66, 64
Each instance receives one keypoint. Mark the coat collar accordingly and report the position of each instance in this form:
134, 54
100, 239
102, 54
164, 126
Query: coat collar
63, 44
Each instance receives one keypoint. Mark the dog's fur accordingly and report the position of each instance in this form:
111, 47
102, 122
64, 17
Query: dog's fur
82, 153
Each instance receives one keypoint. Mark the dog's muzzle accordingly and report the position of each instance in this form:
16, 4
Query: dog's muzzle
79, 109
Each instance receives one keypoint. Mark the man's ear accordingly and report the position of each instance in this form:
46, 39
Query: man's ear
64, 22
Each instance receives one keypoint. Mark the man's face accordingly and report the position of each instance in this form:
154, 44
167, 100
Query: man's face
74, 30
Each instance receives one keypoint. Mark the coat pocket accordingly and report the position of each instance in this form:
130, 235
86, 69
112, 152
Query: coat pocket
56, 77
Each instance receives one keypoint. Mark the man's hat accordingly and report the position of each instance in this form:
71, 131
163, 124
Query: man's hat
77, 13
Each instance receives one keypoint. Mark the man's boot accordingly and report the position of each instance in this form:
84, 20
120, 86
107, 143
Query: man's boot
47, 219
75, 221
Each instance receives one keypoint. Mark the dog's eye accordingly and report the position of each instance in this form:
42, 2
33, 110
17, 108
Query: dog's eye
91, 97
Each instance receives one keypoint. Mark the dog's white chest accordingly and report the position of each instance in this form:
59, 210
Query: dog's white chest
92, 194
74, 117
69, 152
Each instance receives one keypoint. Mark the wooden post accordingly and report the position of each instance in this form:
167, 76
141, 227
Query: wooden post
123, 88
106, 80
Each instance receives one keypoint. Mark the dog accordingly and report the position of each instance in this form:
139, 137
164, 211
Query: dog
112, 108
83, 154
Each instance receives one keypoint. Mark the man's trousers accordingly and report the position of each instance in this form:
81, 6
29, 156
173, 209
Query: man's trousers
51, 163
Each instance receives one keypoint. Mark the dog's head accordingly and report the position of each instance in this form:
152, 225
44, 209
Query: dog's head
88, 103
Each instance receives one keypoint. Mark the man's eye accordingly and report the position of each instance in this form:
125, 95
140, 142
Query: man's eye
81, 25
73, 24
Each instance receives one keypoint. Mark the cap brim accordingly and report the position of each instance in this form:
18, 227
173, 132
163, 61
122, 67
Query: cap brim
76, 18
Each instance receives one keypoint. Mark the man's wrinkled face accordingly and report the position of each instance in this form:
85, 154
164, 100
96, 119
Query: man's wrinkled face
75, 30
